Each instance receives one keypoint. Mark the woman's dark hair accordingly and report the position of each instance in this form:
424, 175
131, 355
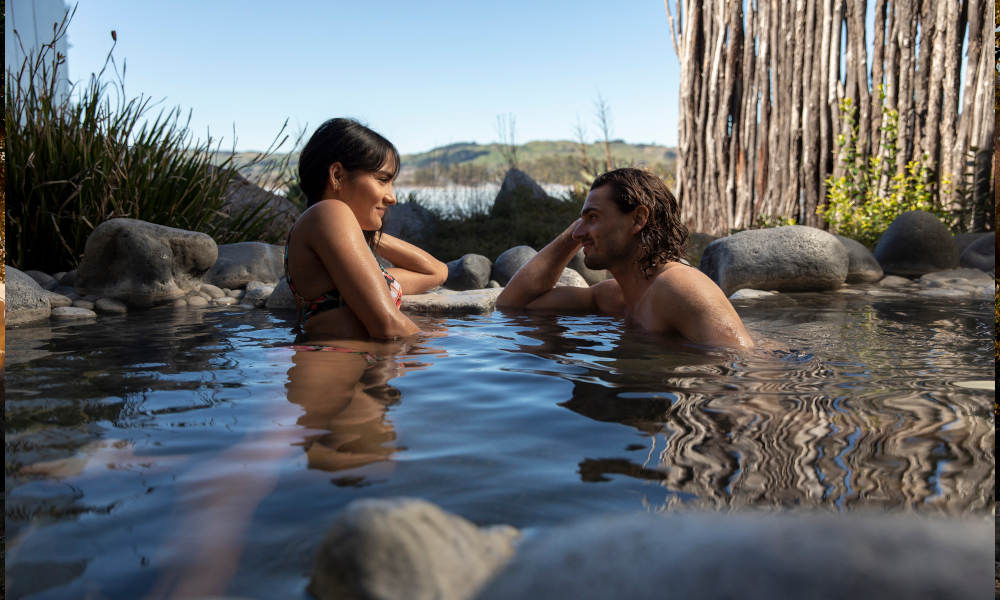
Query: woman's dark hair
663, 237
350, 143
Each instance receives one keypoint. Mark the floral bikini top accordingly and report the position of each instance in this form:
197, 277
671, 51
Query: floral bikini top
332, 299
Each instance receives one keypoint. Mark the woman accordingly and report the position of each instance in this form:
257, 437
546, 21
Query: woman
346, 172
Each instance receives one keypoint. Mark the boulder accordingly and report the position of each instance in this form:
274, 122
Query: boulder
589, 275
517, 185
407, 548
471, 272
695, 246
964, 240
508, 263
281, 297
25, 300
411, 222
45, 280
469, 302
279, 213
243, 262
570, 278
142, 263
794, 258
861, 266
915, 243
753, 556
981, 253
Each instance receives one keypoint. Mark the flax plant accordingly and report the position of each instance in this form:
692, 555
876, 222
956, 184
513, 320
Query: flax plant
97, 153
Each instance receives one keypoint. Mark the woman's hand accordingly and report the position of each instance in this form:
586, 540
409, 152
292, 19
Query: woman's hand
414, 269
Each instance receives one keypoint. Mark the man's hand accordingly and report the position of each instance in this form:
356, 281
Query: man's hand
540, 274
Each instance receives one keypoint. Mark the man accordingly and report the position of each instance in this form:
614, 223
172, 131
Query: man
629, 225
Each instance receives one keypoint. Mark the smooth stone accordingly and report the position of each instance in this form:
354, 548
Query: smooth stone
981, 253
195, 301
243, 262
142, 263
953, 277
861, 264
180, 303
59, 276
225, 301
234, 293
895, 281
110, 306
750, 294
945, 293
25, 300
257, 293
570, 278
281, 297
493, 283
72, 312
753, 556
56, 300
470, 272
591, 276
469, 302
915, 243
964, 240
212, 291
793, 258
68, 278
510, 261
64, 290
407, 548
46, 281
87, 304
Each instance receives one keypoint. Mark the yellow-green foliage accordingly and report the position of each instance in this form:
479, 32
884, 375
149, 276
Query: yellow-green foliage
863, 202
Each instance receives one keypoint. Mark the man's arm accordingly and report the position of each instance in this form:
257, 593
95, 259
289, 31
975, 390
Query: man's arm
533, 286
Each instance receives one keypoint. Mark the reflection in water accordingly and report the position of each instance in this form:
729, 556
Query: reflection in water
775, 427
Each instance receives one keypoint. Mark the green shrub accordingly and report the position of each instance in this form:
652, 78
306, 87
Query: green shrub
76, 163
863, 202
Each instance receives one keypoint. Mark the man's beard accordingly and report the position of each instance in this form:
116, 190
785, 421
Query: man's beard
611, 257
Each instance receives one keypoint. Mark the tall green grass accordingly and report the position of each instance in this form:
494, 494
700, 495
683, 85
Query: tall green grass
76, 161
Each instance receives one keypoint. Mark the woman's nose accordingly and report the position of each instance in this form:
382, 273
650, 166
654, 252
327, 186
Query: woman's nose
390, 197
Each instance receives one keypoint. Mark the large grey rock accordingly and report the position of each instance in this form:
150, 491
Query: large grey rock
861, 266
25, 300
242, 197
281, 297
517, 185
695, 246
143, 263
508, 263
915, 243
981, 253
773, 557
469, 302
471, 272
409, 221
589, 275
407, 549
794, 258
964, 240
45, 280
243, 262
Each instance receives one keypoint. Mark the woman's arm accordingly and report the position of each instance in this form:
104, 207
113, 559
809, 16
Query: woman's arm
335, 236
414, 269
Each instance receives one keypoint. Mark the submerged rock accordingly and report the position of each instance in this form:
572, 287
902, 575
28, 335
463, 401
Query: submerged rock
915, 243
406, 548
25, 300
753, 556
239, 264
794, 258
143, 263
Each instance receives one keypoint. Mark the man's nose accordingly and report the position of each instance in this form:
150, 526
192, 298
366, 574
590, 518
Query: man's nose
577, 231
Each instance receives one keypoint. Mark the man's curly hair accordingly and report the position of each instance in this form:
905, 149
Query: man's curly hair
663, 237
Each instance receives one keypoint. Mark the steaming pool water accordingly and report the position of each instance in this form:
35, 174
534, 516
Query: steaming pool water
174, 451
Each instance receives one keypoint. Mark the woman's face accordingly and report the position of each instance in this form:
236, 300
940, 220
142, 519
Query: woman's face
369, 195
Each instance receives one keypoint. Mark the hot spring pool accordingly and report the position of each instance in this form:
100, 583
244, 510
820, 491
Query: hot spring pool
199, 450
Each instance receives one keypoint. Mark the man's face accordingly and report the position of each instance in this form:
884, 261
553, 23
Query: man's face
605, 231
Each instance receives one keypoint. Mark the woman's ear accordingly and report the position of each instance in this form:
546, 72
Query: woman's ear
336, 176
640, 217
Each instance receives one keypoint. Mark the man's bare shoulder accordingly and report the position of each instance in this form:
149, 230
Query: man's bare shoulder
679, 281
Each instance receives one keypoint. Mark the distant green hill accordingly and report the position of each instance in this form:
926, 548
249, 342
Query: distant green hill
468, 163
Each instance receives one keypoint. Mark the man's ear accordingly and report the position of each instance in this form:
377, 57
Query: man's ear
640, 217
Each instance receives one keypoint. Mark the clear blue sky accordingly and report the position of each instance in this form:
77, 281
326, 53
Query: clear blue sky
423, 73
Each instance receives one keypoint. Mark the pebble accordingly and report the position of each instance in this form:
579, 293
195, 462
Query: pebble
72, 312
224, 301
212, 291
84, 304
56, 300
894, 281
196, 301
110, 305
234, 293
